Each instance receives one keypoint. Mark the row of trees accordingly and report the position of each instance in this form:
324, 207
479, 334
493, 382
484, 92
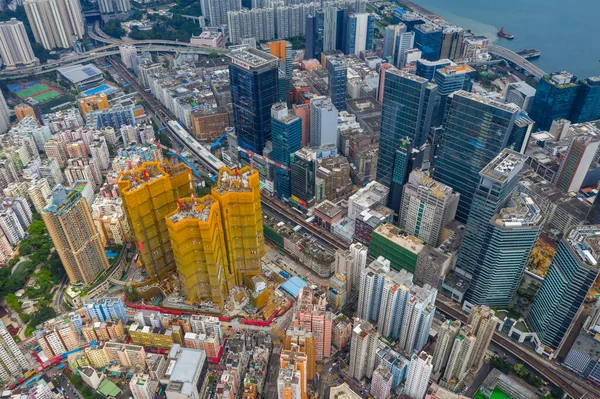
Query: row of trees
506, 367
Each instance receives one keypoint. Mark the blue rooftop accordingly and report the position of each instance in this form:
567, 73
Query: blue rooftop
293, 286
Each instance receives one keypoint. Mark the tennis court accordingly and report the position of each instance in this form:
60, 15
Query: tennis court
40, 91
32, 91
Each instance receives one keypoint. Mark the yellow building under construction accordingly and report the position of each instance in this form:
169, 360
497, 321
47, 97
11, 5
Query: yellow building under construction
238, 194
149, 194
198, 242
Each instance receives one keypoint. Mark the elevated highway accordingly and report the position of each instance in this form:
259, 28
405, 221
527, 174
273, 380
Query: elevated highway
516, 60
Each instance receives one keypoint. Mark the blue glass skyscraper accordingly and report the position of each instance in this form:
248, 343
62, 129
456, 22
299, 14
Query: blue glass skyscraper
426, 69
286, 135
554, 98
337, 72
253, 77
587, 104
406, 117
428, 39
476, 129
571, 275
314, 35
501, 230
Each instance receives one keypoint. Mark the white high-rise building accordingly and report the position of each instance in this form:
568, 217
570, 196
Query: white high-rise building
323, 122
4, 114
484, 323
112, 6
362, 30
55, 23
10, 225
372, 280
15, 48
143, 386
258, 23
363, 350
359, 255
419, 372
100, 154
39, 191
215, 11
127, 51
418, 316
458, 362
394, 300
443, 345
404, 42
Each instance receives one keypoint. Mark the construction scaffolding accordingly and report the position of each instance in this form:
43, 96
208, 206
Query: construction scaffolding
149, 194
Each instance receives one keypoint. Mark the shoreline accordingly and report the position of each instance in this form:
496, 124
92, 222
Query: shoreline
417, 8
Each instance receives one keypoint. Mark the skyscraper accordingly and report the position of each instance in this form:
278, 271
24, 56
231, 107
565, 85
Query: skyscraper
15, 48
460, 356
286, 135
216, 11
419, 372
427, 206
149, 193
4, 114
363, 350
502, 229
12, 360
484, 323
283, 50
406, 115
452, 42
114, 6
476, 129
576, 163
323, 122
330, 28
303, 174
314, 35
238, 195
296, 361
587, 104
426, 69
404, 42
443, 346
554, 98
359, 254
55, 23
337, 72
78, 243
428, 39
311, 314
389, 43
372, 280
253, 78
360, 28
198, 242
572, 272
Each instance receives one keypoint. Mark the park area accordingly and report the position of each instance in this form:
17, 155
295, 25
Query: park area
496, 394
41, 92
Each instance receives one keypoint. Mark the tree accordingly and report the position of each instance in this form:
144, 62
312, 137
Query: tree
36, 228
131, 294
557, 392
13, 302
44, 313
113, 28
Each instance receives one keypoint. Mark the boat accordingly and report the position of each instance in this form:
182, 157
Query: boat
529, 54
505, 35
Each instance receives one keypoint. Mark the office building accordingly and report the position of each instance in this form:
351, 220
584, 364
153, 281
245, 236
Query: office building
573, 270
397, 40
502, 229
554, 98
470, 143
323, 122
363, 349
406, 115
55, 23
186, 370
114, 6
401, 248
427, 206
521, 94
286, 135
576, 163
360, 28
426, 69
198, 242
419, 372
443, 346
460, 356
4, 114
337, 72
238, 195
303, 174
452, 42
484, 323
587, 104
71, 227
428, 39
389, 42
149, 193
253, 80
215, 11
314, 35
15, 48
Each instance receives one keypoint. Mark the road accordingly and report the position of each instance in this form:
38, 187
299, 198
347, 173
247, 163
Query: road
57, 300
543, 368
516, 59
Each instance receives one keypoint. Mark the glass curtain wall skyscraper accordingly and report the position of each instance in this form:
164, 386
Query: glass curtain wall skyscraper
405, 121
337, 73
253, 76
476, 129
501, 231
286, 134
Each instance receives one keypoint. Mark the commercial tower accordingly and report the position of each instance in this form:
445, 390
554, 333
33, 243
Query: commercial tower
427, 206
253, 78
405, 121
286, 135
198, 242
78, 243
571, 275
587, 103
484, 322
15, 48
55, 23
576, 163
360, 28
238, 195
476, 129
363, 350
149, 193
337, 72
445, 339
419, 372
12, 360
323, 122
501, 231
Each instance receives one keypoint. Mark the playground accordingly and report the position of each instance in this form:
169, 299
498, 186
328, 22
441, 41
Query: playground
41, 92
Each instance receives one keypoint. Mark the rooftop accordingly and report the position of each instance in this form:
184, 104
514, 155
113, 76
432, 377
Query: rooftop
509, 107
455, 70
252, 58
521, 211
79, 73
236, 181
328, 208
193, 209
426, 183
400, 237
506, 165
585, 242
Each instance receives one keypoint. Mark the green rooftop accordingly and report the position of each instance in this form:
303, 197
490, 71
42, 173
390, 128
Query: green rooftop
108, 389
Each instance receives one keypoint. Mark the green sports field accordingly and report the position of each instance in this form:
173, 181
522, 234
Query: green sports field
32, 91
496, 394
49, 95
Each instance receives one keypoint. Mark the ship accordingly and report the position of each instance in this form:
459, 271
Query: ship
505, 35
529, 54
